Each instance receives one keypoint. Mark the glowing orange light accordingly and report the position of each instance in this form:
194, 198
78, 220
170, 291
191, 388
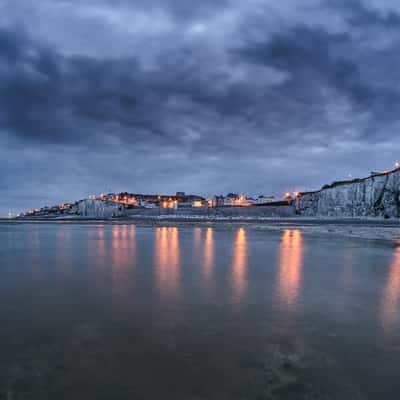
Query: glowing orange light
168, 204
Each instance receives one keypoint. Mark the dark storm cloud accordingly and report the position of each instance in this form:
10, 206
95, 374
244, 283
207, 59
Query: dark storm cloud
211, 97
358, 14
49, 98
317, 61
314, 60
52, 98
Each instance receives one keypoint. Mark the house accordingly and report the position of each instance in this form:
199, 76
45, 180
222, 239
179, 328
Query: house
217, 201
265, 199
199, 203
231, 199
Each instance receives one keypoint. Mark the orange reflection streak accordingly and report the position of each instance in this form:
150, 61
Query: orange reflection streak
239, 261
391, 299
124, 231
290, 265
196, 242
167, 259
209, 252
115, 242
100, 231
132, 233
123, 245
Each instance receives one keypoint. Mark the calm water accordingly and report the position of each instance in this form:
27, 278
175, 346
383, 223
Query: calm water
126, 312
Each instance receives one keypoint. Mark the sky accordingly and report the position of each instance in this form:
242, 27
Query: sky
206, 97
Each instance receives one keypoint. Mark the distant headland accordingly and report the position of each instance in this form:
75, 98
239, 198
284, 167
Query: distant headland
377, 195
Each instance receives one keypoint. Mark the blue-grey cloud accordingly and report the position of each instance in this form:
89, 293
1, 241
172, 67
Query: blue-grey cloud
219, 96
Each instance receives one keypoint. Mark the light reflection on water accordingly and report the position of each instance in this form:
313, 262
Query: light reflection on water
112, 257
123, 246
197, 243
115, 248
209, 253
290, 266
391, 297
167, 259
324, 287
239, 263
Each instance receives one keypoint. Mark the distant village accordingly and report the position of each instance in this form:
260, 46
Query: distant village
178, 201
181, 200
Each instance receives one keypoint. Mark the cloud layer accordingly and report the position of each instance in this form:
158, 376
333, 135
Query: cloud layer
255, 97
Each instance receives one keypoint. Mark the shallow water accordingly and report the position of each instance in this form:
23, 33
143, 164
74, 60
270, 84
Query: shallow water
126, 312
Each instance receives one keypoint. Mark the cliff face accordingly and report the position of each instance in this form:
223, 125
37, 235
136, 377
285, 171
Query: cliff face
375, 196
98, 209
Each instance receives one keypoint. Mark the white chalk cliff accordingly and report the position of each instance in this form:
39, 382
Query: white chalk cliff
375, 196
98, 209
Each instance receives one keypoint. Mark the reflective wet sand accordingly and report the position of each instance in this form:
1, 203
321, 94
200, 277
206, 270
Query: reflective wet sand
126, 312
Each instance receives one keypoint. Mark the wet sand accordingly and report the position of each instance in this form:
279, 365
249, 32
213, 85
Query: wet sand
196, 311
370, 229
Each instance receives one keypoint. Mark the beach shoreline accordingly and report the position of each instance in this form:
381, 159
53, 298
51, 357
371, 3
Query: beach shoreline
360, 228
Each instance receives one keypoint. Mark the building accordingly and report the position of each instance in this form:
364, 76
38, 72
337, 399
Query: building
133, 200
265, 199
231, 199
217, 201
199, 203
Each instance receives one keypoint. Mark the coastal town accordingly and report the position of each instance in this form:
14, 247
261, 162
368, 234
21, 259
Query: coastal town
180, 200
374, 195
